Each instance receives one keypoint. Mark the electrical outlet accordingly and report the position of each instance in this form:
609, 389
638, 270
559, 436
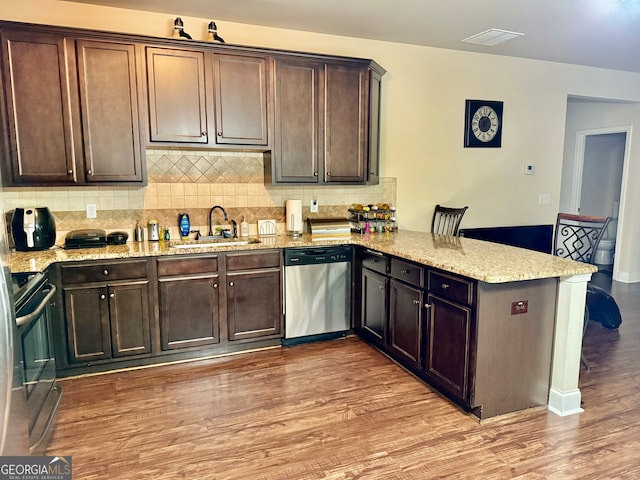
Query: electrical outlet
314, 205
519, 307
92, 211
529, 169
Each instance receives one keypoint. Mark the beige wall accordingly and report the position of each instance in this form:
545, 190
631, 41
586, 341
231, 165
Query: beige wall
423, 102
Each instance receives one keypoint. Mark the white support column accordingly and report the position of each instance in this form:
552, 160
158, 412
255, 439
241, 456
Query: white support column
564, 394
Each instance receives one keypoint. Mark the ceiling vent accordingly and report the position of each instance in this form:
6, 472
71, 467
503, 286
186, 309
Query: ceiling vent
491, 37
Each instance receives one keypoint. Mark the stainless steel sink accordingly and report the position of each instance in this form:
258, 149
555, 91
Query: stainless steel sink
212, 242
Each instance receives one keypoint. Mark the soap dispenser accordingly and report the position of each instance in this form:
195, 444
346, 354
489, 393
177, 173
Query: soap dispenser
244, 227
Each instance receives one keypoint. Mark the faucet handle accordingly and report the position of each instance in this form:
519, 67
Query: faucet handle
197, 232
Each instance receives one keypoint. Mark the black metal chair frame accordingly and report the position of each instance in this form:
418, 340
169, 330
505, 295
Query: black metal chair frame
577, 237
446, 220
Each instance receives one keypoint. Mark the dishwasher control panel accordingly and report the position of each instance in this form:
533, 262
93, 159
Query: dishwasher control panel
317, 255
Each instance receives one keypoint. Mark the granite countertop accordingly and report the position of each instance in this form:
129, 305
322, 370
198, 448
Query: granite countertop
484, 261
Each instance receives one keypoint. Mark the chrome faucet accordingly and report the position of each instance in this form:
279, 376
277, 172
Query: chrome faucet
226, 217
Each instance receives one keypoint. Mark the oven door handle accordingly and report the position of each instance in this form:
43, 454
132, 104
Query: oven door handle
28, 318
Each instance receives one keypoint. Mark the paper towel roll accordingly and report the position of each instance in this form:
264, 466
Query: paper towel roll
294, 216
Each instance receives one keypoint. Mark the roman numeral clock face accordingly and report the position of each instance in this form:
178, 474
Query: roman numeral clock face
483, 124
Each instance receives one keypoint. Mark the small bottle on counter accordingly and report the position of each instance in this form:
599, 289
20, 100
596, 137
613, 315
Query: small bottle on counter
184, 224
138, 233
244, 227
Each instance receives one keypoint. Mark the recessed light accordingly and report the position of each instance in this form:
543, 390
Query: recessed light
491, 37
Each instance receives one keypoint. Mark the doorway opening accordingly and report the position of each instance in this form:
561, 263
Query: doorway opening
601, 159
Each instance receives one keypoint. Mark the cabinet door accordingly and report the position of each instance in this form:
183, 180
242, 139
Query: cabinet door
41, 132
109, 105
129, 312
448, 346
373, 147
254, 307
374, 305
405, 322
189, 311
176, 95
240, 84
297, 150
87, 315
346, 123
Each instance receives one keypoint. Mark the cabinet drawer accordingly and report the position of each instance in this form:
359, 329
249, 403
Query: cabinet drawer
450, 287
185, 266
375, 261
248, 261
407, 272
103, 272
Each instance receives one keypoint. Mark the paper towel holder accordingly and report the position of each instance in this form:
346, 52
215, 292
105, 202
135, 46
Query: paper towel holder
293, 212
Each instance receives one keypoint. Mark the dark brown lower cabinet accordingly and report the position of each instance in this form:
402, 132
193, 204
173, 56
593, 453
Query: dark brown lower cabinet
88, 330
374, 305
107, 321
189, 311
253, 306
405, 322
254, 295
448, 346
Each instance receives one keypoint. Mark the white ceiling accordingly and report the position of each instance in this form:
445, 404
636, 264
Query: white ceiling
599, 33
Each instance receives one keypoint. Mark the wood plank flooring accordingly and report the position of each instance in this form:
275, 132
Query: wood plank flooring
341, 410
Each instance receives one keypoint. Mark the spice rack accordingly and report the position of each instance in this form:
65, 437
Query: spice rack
372, 218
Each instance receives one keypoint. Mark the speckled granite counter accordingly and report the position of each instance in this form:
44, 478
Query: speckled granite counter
484, 261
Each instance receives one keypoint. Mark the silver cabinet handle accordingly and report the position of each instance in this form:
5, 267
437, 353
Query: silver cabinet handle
215, 285
328, 174
404, 271
445, 286
112, 295
231, 284
29, 317
416, 302
105, 272
315, 174
69, 172
219, 134
103, 296
203, 134
427, 306
373, 252
89, 172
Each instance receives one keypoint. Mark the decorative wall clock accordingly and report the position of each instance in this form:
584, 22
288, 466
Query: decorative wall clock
483, 124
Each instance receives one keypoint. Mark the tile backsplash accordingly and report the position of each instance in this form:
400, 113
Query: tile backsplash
192, 182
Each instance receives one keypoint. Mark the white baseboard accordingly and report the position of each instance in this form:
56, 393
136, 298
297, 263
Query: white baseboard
565, 403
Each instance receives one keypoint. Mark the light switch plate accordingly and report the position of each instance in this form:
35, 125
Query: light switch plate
92, 211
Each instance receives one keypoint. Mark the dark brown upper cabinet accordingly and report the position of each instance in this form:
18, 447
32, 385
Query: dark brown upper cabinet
79, 107
72, 111
326, 122
109, 107
207, 99
240, 84
297, 154
177, 95
41, 133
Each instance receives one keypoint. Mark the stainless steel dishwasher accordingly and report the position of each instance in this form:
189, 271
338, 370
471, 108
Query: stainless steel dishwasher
317, 293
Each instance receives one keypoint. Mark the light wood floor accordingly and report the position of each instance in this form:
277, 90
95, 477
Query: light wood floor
341, 410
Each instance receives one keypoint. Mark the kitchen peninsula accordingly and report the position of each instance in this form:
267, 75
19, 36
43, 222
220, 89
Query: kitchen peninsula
497, 274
